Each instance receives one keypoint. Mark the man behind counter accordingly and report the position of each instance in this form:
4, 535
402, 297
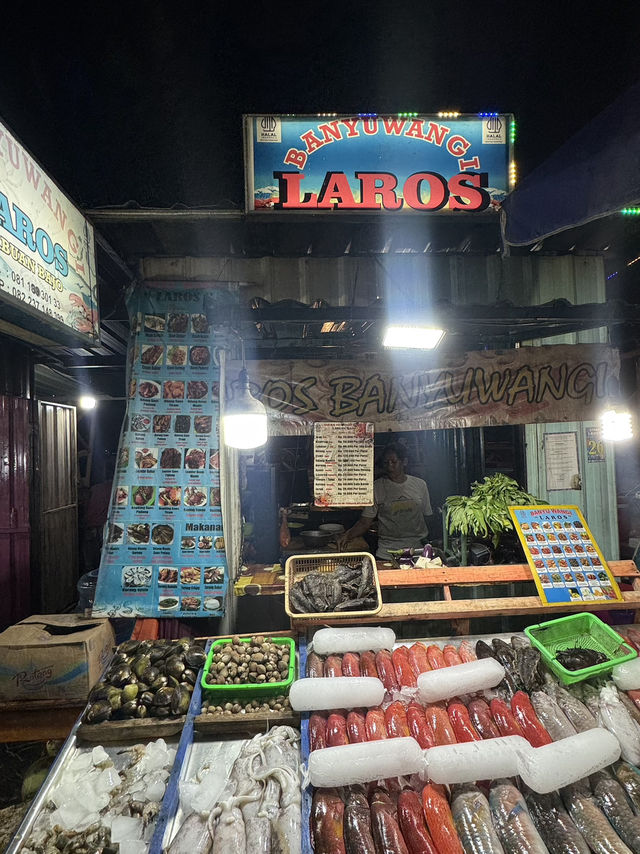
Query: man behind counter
401, 503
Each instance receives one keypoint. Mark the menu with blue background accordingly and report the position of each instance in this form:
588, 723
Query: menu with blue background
566, 562
164, 551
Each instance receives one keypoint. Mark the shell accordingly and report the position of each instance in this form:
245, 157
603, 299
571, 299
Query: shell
163, 696
174, 667
98, 712
195, 658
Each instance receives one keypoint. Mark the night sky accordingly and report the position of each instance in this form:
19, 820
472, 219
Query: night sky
143, 101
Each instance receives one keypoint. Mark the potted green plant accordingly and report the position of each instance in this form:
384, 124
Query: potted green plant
485, 513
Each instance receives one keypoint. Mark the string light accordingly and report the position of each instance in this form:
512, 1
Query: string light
630, 211
635, 261
612, 275
512, 131
512, 173
448, 115
488, 115
368, 115
326, 115
407, 115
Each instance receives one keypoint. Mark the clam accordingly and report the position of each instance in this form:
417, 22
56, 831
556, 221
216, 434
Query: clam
129, 647
146, 698
100, 691
180, 700
130, 692
114, 698
140, 664
120, 675
161, 711
150, 674
120, 658
129, 708
195, 658
163, 696
142, 711
158, 683
174, 667
189, 676
98, 711
172, 682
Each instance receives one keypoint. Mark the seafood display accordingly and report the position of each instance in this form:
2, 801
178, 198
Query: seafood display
146, 679
347, 588
579, 658
243, 797
256, 660
102, 799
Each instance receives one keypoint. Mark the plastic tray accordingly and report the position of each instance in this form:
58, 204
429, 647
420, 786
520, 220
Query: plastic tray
584, 631
297, 566
249, 690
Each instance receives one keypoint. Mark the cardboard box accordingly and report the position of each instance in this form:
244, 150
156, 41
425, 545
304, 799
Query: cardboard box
53, 657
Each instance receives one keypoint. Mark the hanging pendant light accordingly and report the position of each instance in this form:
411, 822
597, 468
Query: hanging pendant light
245, 418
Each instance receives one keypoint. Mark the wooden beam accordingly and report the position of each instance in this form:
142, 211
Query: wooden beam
459, 575
466, 609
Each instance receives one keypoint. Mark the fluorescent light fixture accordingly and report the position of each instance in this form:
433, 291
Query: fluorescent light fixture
245, 418
412, 337
616, 424
87, 401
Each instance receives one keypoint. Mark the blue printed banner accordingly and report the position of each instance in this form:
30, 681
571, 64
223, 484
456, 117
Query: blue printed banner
566, 562
164, 552
377, 163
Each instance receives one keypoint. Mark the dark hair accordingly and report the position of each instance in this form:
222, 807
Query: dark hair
394, 448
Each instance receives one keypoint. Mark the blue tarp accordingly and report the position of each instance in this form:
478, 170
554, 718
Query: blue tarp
594, 174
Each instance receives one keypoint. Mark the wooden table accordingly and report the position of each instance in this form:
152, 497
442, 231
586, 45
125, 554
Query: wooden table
461, 611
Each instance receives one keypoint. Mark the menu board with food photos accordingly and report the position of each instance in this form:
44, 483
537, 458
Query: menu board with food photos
163, 552
566, 563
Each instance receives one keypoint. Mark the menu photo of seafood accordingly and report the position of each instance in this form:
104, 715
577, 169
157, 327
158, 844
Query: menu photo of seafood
563, 556
169, 496
176, 356
146, 458
195, 496
151, 355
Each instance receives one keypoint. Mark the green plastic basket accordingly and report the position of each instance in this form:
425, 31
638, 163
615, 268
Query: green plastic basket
249, 690
584, 631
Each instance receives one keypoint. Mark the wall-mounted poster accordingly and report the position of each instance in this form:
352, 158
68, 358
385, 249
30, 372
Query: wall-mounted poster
566, 562
343, 464
561, 461
164, 552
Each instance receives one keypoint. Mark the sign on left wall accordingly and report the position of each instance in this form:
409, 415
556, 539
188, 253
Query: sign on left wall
47, 253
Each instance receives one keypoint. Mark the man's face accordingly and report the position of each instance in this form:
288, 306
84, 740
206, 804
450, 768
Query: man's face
392, 465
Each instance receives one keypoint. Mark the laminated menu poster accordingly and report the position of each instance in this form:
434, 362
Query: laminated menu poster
566, 563
343, 464
163, 552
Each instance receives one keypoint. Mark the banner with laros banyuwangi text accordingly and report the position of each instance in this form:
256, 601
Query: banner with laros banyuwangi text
477, 389
369, 162
164, 550
47, 254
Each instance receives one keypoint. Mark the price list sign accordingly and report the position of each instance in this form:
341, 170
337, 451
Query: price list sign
164, 551
343, 464
566, 563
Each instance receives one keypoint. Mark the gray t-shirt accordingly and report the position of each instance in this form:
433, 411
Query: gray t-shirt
400, 508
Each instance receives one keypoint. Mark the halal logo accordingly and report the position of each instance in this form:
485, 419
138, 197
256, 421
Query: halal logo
494, 125
268, 124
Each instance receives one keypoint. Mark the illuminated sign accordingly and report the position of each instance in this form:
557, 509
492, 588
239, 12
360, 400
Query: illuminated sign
377, 163
47, 254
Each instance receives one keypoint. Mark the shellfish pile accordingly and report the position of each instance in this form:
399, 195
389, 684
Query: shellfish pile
146, 679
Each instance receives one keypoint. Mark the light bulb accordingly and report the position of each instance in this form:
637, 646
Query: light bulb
244, 430
413, 337
87, 402
616, 425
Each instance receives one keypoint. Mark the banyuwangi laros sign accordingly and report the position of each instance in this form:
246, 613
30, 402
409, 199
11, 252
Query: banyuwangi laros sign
376, 163
529, 385
47, 255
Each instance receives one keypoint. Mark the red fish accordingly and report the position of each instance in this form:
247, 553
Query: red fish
413, 825
368, 664
374, 725
451, 655
402, 666
481, 719
504, 720
336, 730
419, 727
440, 821
384, 824
333, 665
386, 673
466, 652
350, 664
317, 732
438, 719
435, 657
418, 658
525, 714
461, 723
356, 727
395, 719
